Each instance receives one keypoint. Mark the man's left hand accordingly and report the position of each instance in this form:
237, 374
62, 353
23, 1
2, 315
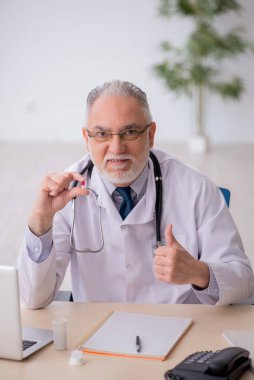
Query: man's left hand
173, 264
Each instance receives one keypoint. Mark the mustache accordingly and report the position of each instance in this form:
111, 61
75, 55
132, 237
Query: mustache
116, 157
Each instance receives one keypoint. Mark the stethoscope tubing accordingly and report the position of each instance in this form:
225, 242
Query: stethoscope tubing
72, 244
158, 206
159, 195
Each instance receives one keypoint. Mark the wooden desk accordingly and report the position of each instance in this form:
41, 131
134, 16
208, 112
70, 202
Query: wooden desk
47, 364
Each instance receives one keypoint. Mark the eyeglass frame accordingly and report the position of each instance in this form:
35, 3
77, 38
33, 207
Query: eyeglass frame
121, 134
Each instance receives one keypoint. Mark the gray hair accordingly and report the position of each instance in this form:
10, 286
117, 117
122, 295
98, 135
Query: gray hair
119, 88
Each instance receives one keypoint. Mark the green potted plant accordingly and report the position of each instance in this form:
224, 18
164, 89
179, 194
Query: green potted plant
194, 68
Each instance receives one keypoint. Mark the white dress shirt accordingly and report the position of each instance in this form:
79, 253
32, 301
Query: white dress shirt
123, 270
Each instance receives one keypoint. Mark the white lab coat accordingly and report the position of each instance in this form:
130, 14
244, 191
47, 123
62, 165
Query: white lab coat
123, 270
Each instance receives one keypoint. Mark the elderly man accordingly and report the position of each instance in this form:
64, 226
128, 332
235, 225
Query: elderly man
111, 241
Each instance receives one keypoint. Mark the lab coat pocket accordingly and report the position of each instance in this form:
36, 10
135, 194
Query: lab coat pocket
180, 237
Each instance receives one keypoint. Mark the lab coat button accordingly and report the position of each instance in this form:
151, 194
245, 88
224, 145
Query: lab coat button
129, 266
123, 227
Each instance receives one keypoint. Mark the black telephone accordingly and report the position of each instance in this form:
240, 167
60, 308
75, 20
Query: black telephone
226, 364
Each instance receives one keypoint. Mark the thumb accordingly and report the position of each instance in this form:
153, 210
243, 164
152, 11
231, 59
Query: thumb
170, 239
74, 192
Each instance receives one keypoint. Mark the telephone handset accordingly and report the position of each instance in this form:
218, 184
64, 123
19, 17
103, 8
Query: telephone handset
226, 364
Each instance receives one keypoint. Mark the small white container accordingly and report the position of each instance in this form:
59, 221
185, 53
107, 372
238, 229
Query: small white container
60, 333
77, 358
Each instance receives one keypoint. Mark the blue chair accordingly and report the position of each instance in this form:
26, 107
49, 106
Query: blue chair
63, 295
226, 194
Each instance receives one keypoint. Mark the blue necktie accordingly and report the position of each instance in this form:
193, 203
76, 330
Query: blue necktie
127, 203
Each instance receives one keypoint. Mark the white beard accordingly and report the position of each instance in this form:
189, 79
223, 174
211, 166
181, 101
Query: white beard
121, 177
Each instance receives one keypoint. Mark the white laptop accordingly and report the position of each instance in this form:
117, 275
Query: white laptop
16, 343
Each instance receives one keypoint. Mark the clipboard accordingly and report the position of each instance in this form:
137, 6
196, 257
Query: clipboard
116, 335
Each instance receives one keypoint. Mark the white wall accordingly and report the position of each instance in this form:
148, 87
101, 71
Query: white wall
54, 51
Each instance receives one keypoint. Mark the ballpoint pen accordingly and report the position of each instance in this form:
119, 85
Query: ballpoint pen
138, 344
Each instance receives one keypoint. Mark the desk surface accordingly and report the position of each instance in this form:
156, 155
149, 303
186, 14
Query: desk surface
204, 334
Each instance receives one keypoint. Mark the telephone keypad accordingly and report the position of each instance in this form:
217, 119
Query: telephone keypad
200, 357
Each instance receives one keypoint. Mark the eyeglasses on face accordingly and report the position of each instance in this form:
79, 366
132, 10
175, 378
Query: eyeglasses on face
129, 134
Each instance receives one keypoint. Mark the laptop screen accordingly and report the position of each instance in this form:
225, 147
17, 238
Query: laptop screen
12, 336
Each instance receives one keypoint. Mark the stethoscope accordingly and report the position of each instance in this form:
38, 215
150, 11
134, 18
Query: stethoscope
158, 205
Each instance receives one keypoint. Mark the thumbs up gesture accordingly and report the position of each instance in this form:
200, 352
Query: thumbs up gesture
173, 264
